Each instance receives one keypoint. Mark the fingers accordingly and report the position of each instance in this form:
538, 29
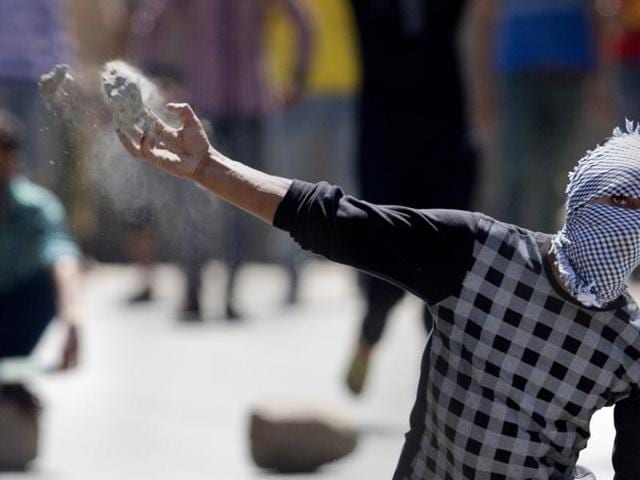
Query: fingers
146, 146
184, 111
128, 145
147, 150
165, 135
157, 156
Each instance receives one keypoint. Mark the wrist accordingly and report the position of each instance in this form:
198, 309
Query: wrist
209, 169
201, 171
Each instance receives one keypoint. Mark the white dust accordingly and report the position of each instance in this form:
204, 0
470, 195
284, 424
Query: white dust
133, 187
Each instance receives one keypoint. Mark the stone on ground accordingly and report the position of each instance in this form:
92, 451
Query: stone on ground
298, 438
18, 435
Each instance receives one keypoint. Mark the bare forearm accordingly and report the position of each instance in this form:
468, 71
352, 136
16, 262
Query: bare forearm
66, 277
256, 192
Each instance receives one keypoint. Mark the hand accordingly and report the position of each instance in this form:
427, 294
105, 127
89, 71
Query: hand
180, 151
70, 349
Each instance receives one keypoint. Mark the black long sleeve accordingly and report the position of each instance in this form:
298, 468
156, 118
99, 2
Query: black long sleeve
426, 252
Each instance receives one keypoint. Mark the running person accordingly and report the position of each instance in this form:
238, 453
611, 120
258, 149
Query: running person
533, 332
414, 147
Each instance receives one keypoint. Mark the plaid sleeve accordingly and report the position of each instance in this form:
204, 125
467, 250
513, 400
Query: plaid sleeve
427, 252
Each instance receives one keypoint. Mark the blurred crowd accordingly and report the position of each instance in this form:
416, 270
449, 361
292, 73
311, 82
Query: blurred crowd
477, 104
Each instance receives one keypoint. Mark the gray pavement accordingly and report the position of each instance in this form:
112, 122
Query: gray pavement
159, 399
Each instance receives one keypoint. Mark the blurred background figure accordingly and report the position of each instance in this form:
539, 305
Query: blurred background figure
533, 60
34, 37
412, 114
224, 72
314, 138
39, 262
99, 29
625, 52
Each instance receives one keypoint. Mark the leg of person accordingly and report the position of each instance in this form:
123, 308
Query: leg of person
141, 249
315, 142
333, 141
290, 137
227, 134
559, 103
187, 231
234, 251
192, 267
25, 312
516, 127
293, 264
380, 298
244, 144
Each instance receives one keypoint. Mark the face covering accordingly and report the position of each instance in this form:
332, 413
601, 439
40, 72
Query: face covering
599, 246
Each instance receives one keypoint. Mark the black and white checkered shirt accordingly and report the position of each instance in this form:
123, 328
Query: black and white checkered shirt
514, 368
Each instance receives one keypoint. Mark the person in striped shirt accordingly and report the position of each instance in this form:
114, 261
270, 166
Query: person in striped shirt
34, 36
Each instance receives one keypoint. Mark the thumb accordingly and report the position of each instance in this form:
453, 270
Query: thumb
184, 111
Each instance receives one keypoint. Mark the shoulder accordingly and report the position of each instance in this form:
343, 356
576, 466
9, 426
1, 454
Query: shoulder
35, 200
510, 242
450, 225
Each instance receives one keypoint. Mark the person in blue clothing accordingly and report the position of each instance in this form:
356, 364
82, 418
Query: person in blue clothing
39, 262
39, 278
535, 60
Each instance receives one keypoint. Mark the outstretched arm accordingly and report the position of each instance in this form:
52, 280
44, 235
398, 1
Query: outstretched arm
187, 153
396, 243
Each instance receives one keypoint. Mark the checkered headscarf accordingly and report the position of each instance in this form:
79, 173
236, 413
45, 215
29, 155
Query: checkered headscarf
599, 245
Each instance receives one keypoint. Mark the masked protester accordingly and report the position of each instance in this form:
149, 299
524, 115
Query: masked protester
533, 332
599, 246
